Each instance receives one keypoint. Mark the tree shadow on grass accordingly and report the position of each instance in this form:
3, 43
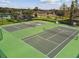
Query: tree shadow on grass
77, 56
2, 55
1, 35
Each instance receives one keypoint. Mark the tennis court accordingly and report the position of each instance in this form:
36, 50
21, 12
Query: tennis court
21, 26
51, 41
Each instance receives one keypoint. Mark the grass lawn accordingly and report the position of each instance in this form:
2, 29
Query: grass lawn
8, 21
4, 22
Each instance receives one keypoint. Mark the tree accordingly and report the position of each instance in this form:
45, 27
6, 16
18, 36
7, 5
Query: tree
36, 11
73, 11
59, 13
28, 14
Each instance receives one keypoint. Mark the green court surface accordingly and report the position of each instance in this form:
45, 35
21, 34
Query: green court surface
71, 50
14, 47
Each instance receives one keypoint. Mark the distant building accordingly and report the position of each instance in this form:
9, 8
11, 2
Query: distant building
45, 13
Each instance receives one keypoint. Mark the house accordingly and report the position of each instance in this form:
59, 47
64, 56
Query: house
45, 13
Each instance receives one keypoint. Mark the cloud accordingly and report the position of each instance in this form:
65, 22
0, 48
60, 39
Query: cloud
49, 1
2, 4
54, 1
4, 1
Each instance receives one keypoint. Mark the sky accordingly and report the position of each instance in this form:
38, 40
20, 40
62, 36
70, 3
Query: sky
42, 4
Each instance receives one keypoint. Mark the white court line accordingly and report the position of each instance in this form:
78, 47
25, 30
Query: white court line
62, 42
44, 38
48, 40
52, 37
38, 35
16, 26
56, 34
61, 50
